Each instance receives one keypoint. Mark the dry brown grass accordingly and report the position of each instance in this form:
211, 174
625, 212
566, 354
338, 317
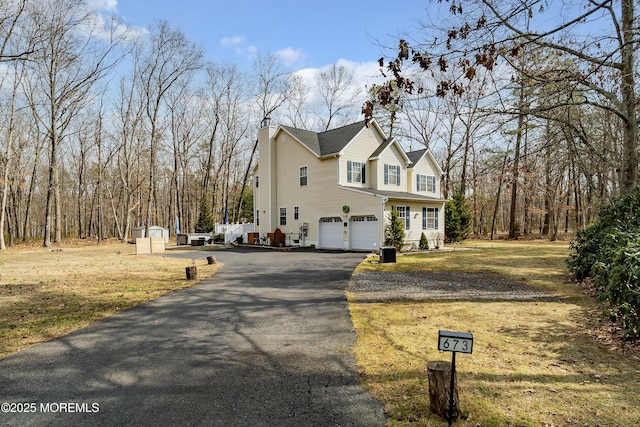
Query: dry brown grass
46, 293
533, 364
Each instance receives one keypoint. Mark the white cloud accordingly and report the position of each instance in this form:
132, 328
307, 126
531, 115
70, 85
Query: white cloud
290, 56
365, 74
106, 5
240, 46
232, 41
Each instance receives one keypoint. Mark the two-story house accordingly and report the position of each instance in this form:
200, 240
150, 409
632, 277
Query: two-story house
336, 189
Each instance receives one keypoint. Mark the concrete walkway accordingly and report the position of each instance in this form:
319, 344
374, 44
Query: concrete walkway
266, 342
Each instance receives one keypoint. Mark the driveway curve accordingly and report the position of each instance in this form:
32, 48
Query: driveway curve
266, 342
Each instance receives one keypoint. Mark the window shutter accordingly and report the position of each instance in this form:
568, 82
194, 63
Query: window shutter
348, 170
436, 218
407, 218
386, 174
424, 218
363, 174
434, 184
398, 166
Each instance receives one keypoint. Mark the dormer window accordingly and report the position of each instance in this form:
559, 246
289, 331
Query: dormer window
355, 172
392, 174
431, 184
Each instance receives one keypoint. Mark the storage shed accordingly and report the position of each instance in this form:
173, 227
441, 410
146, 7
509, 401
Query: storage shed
154, 231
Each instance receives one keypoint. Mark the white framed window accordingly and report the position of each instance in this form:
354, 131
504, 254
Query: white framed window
303, 176
429, 218
431, 184
296, 213
283, 216
404, 213
355, 172
392, 174
421, 182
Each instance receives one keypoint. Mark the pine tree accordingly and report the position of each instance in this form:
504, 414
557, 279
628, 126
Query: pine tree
465, 214
458, 217
205, 220
451, 222
394, 232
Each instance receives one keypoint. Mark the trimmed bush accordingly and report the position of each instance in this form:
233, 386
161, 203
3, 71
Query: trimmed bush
424, 243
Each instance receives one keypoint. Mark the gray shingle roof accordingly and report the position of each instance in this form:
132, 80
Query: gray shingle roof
381, 147
328, 142
415, 156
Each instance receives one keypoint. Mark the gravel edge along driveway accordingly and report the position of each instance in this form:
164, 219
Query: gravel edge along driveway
381, 286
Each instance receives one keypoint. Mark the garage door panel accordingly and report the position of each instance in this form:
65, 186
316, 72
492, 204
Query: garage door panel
331, 233
363, 231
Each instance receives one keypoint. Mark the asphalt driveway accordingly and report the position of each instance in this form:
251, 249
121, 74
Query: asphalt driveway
266, 342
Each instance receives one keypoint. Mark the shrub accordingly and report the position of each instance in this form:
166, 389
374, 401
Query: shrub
424, 243
609, 251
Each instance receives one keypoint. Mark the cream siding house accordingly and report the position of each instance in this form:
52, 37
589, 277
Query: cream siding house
336, 189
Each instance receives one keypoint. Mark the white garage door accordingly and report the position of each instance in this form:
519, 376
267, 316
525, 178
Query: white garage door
363, 232
331, 231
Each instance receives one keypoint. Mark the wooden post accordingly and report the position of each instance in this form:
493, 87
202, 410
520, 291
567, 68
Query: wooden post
192, 273
439, 373
211, 260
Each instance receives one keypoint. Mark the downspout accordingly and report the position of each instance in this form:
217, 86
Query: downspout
382, 205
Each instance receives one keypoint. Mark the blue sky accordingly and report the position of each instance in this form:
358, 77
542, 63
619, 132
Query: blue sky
304, 34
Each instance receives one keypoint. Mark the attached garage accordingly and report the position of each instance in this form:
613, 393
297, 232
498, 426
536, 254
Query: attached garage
331, 233
363, 232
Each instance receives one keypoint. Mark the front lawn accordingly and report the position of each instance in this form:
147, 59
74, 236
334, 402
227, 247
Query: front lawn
46, 293
533, 363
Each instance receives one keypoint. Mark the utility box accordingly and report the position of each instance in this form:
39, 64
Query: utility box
387, 254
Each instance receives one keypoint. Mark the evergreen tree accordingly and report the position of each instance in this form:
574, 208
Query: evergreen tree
451, 222
205, 220
458, 218
394, 231
424, 243
464, 214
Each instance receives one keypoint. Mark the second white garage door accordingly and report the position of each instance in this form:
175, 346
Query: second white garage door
363, 232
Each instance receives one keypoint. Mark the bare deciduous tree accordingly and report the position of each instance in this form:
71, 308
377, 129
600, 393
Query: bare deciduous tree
168, 59
73, 52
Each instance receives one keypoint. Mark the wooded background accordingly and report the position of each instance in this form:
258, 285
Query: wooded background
531, 113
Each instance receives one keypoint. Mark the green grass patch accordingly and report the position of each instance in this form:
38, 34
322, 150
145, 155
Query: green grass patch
533, 364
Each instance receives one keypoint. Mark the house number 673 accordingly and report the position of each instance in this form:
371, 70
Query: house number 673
457, 342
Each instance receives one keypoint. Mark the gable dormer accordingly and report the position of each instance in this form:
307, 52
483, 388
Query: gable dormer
423, 175
389, 163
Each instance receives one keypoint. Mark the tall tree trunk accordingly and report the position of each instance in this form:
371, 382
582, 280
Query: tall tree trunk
495, 210
513, 225
629, 173
548, 188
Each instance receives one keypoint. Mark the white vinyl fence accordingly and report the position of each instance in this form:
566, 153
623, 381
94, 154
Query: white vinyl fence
232, 231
